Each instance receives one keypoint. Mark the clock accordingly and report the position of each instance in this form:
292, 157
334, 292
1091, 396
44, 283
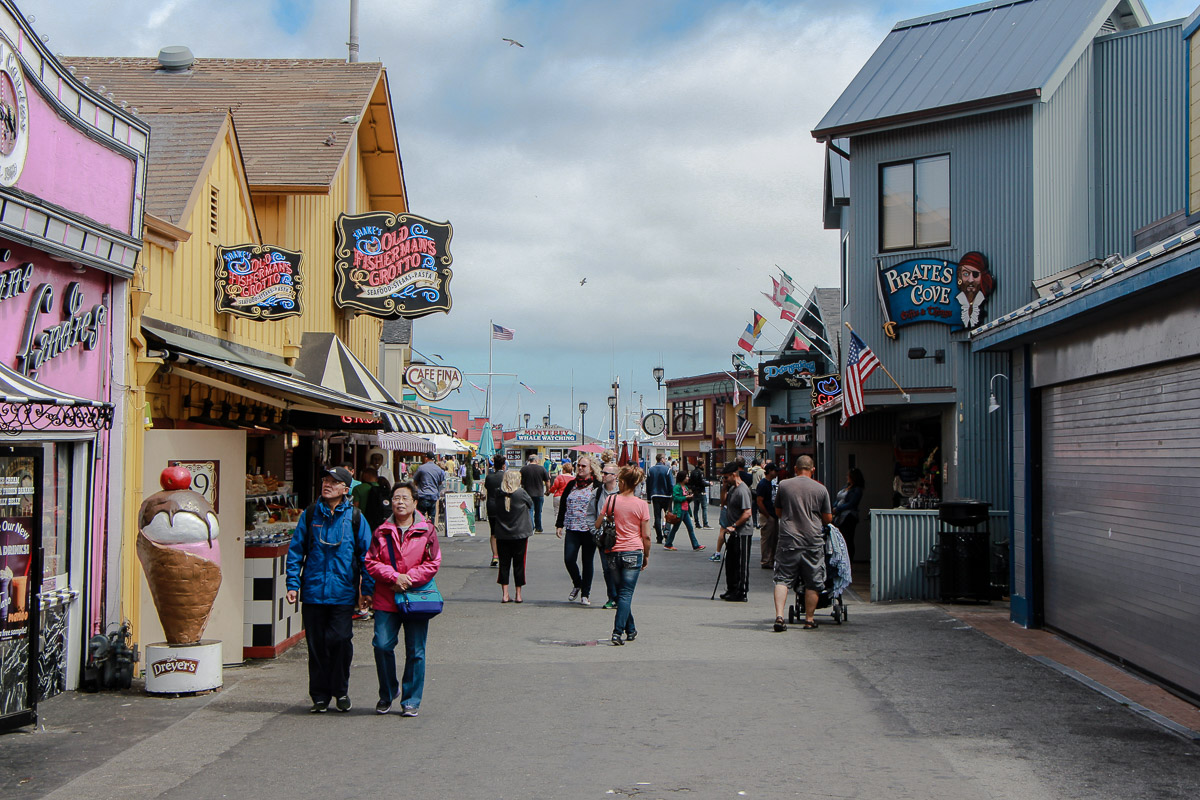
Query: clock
654, 424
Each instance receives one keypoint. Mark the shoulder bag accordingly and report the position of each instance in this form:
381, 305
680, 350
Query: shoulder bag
417, 602
606, 535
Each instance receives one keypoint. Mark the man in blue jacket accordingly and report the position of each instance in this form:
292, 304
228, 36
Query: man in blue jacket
325, 569
660, 484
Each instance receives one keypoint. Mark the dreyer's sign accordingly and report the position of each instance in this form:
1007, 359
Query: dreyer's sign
259, 281
392, 265
932, 290
168, 666
786, 373
433, 383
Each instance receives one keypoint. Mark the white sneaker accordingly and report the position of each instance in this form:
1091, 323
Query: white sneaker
587, 601
573, 596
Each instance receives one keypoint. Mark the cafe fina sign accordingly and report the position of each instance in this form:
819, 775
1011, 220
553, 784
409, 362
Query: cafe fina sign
392, 265
933, 290
260, 282
432, 383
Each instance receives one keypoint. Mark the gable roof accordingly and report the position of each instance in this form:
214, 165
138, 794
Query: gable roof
986, 56
285, 109
180, 147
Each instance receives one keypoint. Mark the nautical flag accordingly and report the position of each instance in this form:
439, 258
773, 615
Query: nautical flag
502, 333
742, 430
746, 342
478, 388
860, 363
531, 391
800, 343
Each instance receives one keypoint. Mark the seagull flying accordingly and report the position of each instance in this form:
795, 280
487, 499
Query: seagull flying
582, 282
512, 42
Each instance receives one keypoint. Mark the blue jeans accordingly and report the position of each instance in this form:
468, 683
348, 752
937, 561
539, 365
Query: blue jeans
575, 542
387, 633
535, 512
626, 567
685, 518
700, 503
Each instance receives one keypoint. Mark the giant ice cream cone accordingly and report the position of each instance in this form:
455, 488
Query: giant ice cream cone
180, 555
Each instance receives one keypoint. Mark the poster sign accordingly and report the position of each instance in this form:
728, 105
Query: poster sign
205, 478
16, 559
433, 383
933, 290
460, 514
392, 265
787, 373
261, 282
826, 389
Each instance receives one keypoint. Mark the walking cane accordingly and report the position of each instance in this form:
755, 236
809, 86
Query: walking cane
718, 583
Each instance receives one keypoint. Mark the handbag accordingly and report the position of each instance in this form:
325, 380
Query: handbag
671, 517
416, 602
605, 536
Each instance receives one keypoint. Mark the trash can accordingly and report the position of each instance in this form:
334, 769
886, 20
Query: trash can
964, 551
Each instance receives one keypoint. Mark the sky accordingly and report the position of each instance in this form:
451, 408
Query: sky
659, 149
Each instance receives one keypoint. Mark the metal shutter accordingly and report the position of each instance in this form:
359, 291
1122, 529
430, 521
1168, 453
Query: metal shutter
1121, 516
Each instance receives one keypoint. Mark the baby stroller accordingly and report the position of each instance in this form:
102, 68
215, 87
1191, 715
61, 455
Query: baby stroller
837, 579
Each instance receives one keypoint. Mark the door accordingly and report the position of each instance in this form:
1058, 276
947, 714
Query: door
20, 570
1120, 501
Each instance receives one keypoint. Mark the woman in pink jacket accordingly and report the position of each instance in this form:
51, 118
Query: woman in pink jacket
412, 559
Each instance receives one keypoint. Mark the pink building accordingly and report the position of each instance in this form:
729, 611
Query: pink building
72, 171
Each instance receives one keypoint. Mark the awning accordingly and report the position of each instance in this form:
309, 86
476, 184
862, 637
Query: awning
175, 339
446, 445
404, 442
26, 404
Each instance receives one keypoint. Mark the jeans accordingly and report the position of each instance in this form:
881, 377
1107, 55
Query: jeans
387, 632
700, 502
685, 518
427, 505
575, 542
329, 635
535, 512
661, 505
626, 567
610, 579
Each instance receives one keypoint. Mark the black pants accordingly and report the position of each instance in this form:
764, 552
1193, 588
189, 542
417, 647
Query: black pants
512, 553
574, 544
737, 565
329, 632
661, 506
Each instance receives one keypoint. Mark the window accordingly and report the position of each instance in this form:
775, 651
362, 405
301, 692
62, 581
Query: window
214, 197
687, 416
914, 204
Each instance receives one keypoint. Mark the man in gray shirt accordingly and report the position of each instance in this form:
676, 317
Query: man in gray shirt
803, 508
738, 505
536, 481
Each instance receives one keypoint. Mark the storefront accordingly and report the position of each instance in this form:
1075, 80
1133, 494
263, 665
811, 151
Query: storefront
72, 167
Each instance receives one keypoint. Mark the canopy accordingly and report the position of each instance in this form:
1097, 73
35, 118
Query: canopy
404, 442
445, 445
588, 448
487, 446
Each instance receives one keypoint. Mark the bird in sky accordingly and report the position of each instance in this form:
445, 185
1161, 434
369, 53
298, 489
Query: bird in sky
582, 282
512, 42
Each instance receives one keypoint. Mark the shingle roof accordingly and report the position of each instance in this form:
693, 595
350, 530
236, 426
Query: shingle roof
285, 110
999, 52
179, 148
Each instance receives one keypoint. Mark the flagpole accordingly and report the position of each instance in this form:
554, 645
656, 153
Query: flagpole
885, 370
488, 403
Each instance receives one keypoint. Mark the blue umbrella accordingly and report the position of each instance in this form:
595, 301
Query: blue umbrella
487, 447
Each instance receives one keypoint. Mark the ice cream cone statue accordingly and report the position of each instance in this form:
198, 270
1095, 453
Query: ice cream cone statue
177, 545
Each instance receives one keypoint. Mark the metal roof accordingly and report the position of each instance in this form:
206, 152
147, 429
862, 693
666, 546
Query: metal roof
999, 53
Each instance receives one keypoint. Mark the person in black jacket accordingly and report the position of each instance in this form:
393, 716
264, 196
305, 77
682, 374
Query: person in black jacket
699, 486
491, 488
512, 528
577, 511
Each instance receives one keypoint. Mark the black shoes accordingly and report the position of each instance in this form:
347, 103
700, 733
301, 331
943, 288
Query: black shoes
343, 703
383, 707
734, 598
616, 639
629, 637
319, 707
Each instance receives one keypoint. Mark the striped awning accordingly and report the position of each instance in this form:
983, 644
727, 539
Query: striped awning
26, 404
404, 442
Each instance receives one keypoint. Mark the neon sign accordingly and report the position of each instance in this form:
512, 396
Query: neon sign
390, 265
826, 389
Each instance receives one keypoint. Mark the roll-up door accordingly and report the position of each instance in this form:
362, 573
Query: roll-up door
1121, 516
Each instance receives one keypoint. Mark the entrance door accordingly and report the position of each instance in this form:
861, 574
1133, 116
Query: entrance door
20, 569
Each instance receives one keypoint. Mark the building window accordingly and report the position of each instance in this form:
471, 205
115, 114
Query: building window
687, 416
914, 204
214, 196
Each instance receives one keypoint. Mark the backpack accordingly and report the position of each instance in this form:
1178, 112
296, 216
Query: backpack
378, 506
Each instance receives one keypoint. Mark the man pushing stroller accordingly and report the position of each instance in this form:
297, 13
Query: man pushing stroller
803, 508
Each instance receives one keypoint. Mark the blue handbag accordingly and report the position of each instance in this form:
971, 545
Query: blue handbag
418, 602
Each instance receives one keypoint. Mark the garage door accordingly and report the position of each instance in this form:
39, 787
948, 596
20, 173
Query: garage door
1121, 516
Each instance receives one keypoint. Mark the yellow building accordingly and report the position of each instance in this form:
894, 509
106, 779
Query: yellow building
251, 161
704, 412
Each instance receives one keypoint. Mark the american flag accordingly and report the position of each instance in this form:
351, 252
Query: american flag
531, 391
742, 430
502, 333
860, 363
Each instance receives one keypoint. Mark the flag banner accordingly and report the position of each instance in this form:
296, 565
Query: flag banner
787, 278
531, 391
477, 388
746, 342
800, 343
502, 333
742, 430
860, 363
789, 308
759, 322
770, 297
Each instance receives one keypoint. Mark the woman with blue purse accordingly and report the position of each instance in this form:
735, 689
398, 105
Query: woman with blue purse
403, 559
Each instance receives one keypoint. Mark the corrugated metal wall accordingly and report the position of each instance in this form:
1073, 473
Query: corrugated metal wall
1141, 132
900, 542
1016, 402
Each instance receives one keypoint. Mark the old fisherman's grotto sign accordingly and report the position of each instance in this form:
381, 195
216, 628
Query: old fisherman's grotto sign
392, 265
932, 290
259, 281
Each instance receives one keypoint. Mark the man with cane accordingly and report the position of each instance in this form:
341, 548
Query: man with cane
738, 506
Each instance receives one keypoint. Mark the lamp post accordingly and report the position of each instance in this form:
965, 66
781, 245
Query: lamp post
546, 421
527, 421
583, 421
612, 412
659, 372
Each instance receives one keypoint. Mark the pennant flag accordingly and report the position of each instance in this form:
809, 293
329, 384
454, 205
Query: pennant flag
531, 391
737, 398
860, 363
800, 343
742, 430
477, 388
502, 333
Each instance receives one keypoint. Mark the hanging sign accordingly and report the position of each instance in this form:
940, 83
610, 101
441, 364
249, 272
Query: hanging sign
432, 383
789, 372
260, 282
14, 115
932, 290
392, 265
826, 389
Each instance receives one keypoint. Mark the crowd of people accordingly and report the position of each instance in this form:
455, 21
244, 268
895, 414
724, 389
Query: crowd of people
373, 548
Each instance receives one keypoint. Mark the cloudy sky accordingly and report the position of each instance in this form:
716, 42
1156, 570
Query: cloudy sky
658, 148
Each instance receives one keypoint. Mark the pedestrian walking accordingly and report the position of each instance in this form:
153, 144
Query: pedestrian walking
631, 553
404, 554
512, 528
681, 507
325, 570
565, 476
576, 519
658, 489
491, 491
429, 480
764, 501
699, 487
756, 474
535, 480
736, 535
803, 508
845, 507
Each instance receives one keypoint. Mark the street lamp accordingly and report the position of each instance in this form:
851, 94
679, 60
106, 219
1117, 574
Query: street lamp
527, 421
993, 404
546, 421
583, 421
612, 412
658, 376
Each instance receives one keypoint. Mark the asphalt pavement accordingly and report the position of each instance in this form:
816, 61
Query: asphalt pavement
531, 701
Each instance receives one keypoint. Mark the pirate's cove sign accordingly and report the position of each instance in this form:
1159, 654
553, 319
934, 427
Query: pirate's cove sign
259, 281
933, 290
392, 265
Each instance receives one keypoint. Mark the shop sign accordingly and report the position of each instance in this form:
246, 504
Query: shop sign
433, 383
311, 421
933, 290
545, 436
826, 389
706, 446
16, 558
79, 328
786, 373
392, 265
260, 282
14, 115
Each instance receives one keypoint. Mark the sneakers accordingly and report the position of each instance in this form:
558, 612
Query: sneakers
669, 547
609, 605
585, 600
383, 707
629, 637
343, 703
408, 711
715, 557
616, 639
319, 707
699, 547
574, 595
495, 562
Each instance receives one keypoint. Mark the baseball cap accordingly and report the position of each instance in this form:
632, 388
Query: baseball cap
340, 474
